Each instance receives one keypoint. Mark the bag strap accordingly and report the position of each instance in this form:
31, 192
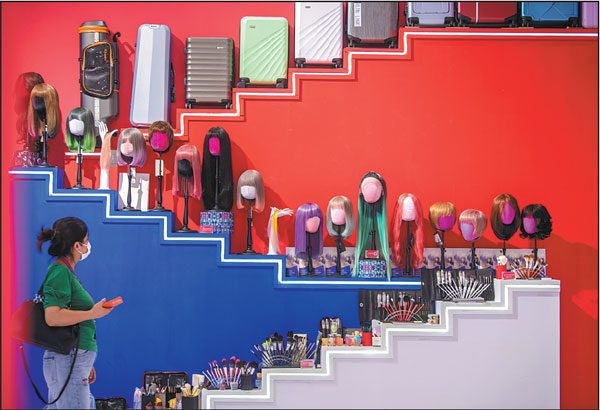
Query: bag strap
66, 382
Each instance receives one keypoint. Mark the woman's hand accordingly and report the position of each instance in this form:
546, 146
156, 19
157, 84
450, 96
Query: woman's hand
98, 311
92, 377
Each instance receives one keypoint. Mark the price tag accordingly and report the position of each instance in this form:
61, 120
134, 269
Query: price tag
357, 15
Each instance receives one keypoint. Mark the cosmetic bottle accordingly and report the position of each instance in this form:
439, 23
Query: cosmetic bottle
258, 380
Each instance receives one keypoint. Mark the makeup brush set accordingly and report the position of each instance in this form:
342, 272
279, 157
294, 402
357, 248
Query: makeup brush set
393, 306
530, 269
228, 375
471, 285
273, 352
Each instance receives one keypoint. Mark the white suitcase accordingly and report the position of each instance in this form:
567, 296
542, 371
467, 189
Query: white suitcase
152, 90
319, 33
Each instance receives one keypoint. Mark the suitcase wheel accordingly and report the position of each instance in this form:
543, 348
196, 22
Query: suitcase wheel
573, 22
526, 21
412, 21
300, 62
337, 62
450, 22
281, 83
228, 106
243, 82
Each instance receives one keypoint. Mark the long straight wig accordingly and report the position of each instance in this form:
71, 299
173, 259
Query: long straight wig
344, 203
504, 231
365, 223
543, 221
224, 199
35, 124
251, 178
189, 152
399, 234
88, 139
305, 212
140, 153
24, 84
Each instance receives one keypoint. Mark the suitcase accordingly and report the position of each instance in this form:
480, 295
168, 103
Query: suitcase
99, 72
319, 33
487, 13
429, 13
372, 22
589, 14
263, 51
152, 90
550, 13
210, 71
113, 403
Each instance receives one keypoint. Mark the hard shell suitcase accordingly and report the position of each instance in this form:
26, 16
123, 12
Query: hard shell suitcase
152, 90
99, 71
319, 33
589, 14
429, 13
263, 51
210, 71
550, 13
487, 13
372, 22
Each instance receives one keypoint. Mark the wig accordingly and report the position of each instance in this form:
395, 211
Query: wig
475, 218
189, 152
305, 212
24, 85
504, 231
224, 199
343, 203
366, 211
251, 178
399, 234
440, 210
137, 140
35, 124
543, 221
88, 138
160, 136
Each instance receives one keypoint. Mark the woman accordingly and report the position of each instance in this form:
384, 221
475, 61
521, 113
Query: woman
66, 303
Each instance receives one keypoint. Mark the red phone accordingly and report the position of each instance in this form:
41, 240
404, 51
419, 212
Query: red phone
113, 303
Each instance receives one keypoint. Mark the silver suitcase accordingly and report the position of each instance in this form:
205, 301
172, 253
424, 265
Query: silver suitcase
372, 22
210, 71
430, 13
319, 33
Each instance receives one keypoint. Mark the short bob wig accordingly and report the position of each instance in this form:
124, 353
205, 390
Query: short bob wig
340, 202
476, 218
441, 210
45, 94
160, 136
305, 212
189, 152
504, 231
136, 138
543, 221
224, 197
88, 138
251, 178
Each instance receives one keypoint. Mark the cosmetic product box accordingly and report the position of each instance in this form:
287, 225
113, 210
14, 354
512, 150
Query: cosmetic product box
148, 401
372, 269
247, 381
27, 158
216, 222
376, 332
190, 402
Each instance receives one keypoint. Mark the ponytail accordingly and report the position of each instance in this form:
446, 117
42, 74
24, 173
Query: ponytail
64, 234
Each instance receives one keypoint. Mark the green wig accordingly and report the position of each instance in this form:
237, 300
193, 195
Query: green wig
88, 139
365, 223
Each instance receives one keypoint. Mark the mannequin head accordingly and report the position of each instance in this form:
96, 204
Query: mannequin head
341, 213
471, 224
442, 216
23, 86
309, 216
536, 222
371, 189
216, 141
250, 187
408, 209
190, 153
505, 217
43, 95
160, 136
131, 148
80, 127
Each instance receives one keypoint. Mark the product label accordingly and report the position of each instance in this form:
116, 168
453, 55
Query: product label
158, 167
372, 254
345, 271
292, 272
357, 15
206, 229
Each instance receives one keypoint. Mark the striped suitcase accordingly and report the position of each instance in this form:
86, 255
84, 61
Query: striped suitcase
372, 22
319, 33
589, 14
152, 90
263, 51
210, 71
487, 13
430, 13
550, 13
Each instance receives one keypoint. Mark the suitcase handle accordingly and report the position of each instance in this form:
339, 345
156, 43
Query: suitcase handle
172, 76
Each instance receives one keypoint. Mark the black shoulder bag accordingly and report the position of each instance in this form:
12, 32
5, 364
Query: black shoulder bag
29, 326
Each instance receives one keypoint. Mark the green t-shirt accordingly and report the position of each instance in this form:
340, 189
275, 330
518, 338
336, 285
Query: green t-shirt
61, 288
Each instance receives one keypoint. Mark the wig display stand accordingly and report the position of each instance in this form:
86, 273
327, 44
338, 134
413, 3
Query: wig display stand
249, 250
216, 206
185, 228
216, 222
373, 241
159, 176
443, 250
309, 254
129, 178
339, 245
504, 247
535, 250
44, 162
79, 158
473, 266
407, 267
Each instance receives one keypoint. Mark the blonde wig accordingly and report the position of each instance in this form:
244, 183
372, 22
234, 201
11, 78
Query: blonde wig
340, 202
252, 178
35, 124
441, 210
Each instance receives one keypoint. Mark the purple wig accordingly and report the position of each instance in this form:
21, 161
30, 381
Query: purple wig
304, 213
136, 138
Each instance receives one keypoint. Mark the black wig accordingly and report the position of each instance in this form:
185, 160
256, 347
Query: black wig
224, 199
543, 221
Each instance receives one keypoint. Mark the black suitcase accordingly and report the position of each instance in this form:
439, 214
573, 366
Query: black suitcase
113, 403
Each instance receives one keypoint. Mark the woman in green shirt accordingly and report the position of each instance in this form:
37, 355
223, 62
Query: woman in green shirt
66, 303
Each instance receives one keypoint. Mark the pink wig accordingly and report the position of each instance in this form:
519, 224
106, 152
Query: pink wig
189, 152
399, 234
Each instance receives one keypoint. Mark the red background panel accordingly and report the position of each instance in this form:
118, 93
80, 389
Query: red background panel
457, 119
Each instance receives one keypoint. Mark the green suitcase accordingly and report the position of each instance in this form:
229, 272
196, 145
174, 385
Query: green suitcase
263, 51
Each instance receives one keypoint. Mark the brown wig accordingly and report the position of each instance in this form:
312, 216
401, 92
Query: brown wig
158, 142
23, 87
35, 124
504, 231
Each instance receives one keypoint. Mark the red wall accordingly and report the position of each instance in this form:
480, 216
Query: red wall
459, 120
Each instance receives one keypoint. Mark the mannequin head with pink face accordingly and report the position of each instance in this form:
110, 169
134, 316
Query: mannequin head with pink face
471, 224
408, 212
442, 216
309, 219
339, 219
505, 217
536, 222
